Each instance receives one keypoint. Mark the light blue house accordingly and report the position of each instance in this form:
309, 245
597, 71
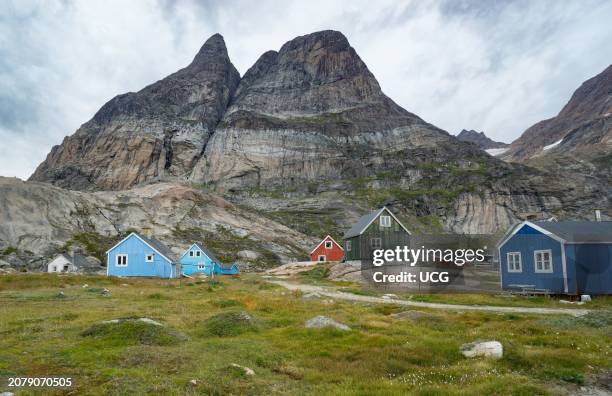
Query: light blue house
565, 257
136, 255
198, 259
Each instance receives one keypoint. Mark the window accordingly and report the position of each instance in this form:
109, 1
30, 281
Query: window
328, 244
514, 262
321, 258
65, 268
543, 261
121, 260
375, 243
149, 258
385, 221
191, 253
198, 253
348, 246
201, 266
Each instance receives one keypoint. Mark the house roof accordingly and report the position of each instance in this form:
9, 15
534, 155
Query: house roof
153, 243
567, 231
207, 252
579, 231
325, 239
364, 222
78, 260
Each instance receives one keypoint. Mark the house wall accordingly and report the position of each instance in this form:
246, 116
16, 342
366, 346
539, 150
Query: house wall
390, 237
137, 265
592, 265
354, 253
333, 254
189, 265
59, 263
526, 241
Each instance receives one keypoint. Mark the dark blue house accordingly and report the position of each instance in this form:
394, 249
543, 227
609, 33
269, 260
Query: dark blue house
565, 257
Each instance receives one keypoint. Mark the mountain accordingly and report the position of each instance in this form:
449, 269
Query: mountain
156, 133
306, 138
584, 124
480, 139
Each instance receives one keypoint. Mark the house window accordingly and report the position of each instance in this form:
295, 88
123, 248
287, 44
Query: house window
543, 261
198, 253
348, 246
201, 266
65, 268
385, 221
328, 244
191, 253
149, 258
514, 262
121, 260
375, 243
321, 258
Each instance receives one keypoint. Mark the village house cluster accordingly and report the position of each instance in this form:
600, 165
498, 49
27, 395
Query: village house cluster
549, 257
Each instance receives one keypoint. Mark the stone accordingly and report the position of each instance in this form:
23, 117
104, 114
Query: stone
85, 286
150, 321
193, 382
248, 254
246, 370
389, 296
492, 349
105, 292
319, 322
585, 298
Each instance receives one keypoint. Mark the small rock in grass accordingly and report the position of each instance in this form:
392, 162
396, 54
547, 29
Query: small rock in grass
61, 295
150, 321
319, 322
106, 292
493, 349
585, 298
124, 284
389, 296
6, 394
193, 382
85, 286
246, 370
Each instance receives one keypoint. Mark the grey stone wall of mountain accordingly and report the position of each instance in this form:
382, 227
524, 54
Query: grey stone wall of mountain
479, 139
311, 111
584, 123
156, 133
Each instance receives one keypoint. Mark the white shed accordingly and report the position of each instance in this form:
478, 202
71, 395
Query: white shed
61, 263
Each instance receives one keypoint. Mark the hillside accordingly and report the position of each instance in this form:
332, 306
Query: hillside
480, 139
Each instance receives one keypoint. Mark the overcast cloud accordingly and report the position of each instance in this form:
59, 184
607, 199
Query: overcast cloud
498, 67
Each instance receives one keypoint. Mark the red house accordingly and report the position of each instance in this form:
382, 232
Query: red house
327, 250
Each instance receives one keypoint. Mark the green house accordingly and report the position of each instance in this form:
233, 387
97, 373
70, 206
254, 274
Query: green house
379, 229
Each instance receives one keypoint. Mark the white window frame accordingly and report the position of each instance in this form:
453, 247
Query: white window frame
385, 221
379, 244
117, 257
191, 253
348, 246
520, 262
323, 257
535, 262
151, 259
329, 245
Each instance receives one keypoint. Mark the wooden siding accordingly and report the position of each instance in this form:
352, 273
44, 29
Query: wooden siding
390, 237
137, 250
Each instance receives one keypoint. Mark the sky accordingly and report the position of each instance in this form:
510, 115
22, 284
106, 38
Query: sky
492, 66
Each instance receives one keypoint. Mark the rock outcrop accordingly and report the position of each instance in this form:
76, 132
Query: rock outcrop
159, 132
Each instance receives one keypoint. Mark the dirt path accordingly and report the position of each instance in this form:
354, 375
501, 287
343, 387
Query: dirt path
332, 293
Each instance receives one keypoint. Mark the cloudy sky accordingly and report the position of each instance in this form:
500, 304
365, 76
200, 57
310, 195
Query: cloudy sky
495, 66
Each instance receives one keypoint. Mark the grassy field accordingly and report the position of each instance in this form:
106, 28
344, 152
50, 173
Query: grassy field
45, 333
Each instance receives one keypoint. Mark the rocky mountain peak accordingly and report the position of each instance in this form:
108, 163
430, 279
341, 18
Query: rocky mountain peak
479, 139
213, 48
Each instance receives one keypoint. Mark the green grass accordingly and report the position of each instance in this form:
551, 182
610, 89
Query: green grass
203, 334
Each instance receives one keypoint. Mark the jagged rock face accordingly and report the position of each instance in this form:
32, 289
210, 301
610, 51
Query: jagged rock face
311, 111
585, 122
479, 139
156, 133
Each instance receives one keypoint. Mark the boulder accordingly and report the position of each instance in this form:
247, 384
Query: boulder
248, 255
493, 349
319, 322
246, 370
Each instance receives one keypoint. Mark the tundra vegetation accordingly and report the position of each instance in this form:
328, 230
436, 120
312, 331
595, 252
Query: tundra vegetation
208, 326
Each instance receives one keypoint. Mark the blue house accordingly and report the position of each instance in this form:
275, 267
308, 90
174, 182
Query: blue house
565, 257
136, 255
198, 259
